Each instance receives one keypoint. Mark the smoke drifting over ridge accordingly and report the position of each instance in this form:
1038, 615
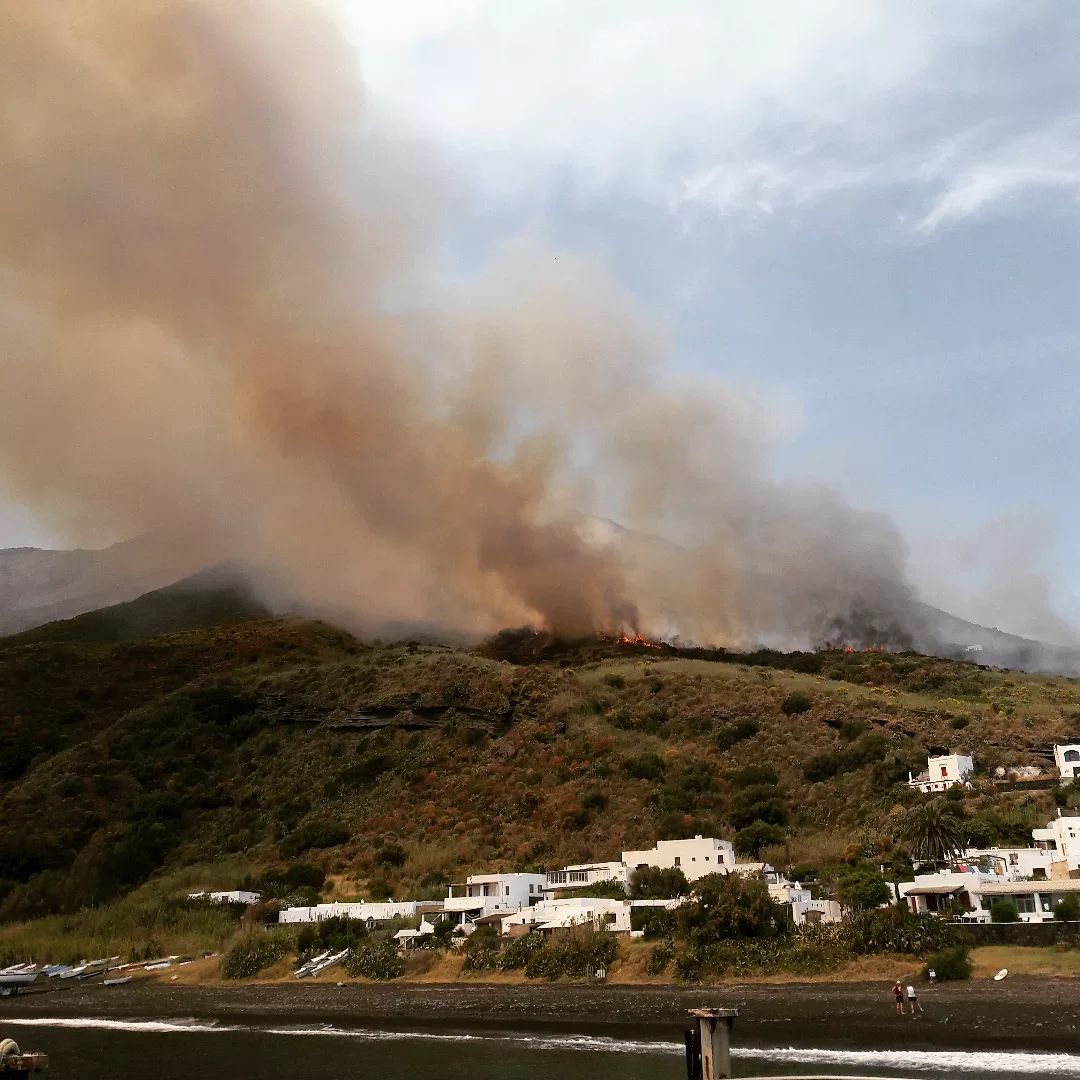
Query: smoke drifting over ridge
220, 319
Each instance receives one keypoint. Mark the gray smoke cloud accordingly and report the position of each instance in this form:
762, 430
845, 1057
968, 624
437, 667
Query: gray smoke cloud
222, 320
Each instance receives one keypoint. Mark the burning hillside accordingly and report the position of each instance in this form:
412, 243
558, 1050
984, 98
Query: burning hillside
222, 320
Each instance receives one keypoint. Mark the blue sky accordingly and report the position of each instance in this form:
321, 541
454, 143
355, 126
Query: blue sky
868, 214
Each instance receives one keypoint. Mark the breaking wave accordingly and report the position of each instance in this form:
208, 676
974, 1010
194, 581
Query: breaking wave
951, 1062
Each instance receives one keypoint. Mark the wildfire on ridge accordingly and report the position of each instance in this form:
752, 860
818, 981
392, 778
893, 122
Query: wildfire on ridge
866, 648
630, 639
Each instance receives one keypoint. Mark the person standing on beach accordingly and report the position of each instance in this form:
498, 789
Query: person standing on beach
913, 1001
898, 993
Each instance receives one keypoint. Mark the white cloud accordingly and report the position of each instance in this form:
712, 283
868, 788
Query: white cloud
987, 177
724, 107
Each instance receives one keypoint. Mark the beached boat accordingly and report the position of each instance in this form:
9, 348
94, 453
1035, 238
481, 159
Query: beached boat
11, 982
122, 981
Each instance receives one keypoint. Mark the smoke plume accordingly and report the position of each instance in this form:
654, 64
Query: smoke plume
221, 319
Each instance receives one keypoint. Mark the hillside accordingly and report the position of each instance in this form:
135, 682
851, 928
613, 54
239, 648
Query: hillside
38, 586
400, 767
208, 598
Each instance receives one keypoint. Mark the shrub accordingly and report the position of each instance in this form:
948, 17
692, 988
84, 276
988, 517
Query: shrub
754, 775
379, 960
950, 965
724, 906
644, 767
614, 680
758, 835
315, 834
862, 888
390, 855
660, 957
822, 767
1004, 911
300, 875
657, 883
758, 803
656, 922
795, 703
1067, 909
727, 735
251, 957
895, 930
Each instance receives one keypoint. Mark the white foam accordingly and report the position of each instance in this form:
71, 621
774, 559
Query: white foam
182, 1024
951, 1061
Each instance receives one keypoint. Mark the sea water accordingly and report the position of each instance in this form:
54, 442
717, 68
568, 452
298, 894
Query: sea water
89, 1048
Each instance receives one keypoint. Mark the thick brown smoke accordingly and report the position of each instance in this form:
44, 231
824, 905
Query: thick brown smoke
220, 319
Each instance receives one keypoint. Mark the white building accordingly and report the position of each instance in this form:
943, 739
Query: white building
485, 894
1061, 838
1015, 864
804, 908
237, 896
1067, 759
598, 913
695, 858
370, 913
943, 772
584, 874
976, 892
408, 937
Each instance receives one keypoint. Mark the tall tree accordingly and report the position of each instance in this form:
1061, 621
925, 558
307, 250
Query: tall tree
931, 832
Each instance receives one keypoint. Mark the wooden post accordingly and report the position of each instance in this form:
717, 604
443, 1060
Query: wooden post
714, 1039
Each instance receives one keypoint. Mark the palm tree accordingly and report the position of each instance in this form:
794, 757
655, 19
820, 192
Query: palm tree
931, 832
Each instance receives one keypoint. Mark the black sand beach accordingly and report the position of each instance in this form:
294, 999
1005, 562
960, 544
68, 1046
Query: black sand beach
1022, 1014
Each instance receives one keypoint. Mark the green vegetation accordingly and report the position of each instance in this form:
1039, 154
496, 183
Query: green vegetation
130, 761
254, 955
575, 955
1004, 911
657, 883
378, 960
950, 965
931, 832
1067, 909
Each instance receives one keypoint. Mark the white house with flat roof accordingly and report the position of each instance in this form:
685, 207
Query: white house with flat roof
237, 896
974, 892
1061, 837
943, 772
367, 912
1067, 759
695, 858
584, 874
484, 894
1014, 863
597, 913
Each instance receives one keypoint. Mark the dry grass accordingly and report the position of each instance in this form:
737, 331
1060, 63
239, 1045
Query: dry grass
1021, 960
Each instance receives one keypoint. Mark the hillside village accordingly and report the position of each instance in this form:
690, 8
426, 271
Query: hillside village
1035, 880
401, 784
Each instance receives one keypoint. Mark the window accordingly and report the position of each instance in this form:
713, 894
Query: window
507, 892
678, 860
1072, 755
706, 858
944, 770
